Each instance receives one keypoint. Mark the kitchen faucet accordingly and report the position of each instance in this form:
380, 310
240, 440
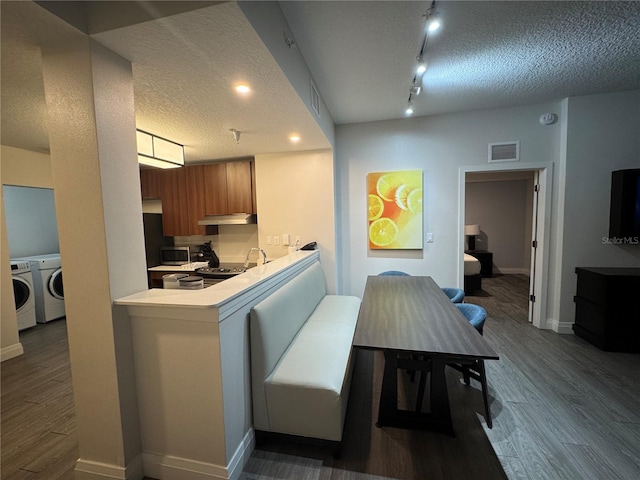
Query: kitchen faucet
264, 256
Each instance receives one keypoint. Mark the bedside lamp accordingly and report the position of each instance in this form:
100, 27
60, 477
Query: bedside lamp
471, 231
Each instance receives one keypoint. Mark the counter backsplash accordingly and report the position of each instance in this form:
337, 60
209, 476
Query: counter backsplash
231, 244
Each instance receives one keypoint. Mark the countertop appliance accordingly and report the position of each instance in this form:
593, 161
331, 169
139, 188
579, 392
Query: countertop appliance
213, 275
175, 255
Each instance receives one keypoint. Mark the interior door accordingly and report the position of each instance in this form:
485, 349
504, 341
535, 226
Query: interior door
534, 246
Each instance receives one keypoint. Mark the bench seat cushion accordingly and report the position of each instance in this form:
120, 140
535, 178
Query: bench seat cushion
307, 392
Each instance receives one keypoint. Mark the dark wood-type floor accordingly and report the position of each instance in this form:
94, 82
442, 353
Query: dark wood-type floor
562, 409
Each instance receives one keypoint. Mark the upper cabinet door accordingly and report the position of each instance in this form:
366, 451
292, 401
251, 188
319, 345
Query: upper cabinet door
175, 202
215, 189
239, 187
150, 183
195, 182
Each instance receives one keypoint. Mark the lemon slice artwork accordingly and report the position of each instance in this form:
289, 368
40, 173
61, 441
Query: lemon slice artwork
395, 209
376, 207
387, 185
383, 232
414, 200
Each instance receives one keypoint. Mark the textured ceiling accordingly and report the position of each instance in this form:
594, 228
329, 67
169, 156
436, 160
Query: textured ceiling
487, 55
361, 54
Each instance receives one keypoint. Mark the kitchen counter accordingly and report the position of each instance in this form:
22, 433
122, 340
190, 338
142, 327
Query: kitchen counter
187, 267
220, 293
191, 357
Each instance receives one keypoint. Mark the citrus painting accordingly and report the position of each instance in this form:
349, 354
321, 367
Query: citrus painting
395, 209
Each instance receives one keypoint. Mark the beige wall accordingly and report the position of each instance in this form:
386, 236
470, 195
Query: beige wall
295, 195
25, 168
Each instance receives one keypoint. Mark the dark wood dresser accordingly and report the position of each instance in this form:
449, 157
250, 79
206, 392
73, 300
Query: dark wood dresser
607, 308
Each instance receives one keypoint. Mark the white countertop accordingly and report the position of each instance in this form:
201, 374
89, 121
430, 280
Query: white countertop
219, 293
187, 267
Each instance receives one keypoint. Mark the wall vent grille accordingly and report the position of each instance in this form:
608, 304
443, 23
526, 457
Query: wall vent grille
504, 152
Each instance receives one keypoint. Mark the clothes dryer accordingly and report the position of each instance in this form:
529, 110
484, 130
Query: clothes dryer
47, 281
24, 293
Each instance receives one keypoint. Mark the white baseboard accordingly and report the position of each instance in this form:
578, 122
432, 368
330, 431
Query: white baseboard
168, 467
11, 351
89, 470
565, 328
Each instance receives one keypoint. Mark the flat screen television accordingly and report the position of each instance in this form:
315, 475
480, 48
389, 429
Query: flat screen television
624, 215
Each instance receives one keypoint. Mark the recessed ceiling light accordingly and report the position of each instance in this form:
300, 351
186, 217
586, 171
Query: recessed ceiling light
242, 88
294, 138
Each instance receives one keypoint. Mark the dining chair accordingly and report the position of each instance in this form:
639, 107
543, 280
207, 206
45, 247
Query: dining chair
456, 295
393, 273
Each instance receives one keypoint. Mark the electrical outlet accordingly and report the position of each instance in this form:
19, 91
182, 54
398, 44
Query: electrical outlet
268, 239
298, 241
276, 240
429, 237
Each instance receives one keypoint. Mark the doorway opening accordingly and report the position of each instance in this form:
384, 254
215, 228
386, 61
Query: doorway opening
510, 208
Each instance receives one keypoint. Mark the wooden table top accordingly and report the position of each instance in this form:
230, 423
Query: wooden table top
412, 314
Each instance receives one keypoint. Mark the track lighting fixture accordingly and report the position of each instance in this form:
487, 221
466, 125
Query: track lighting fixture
409, 109
432, 24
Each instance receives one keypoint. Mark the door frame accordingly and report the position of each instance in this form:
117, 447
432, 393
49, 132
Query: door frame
541, 275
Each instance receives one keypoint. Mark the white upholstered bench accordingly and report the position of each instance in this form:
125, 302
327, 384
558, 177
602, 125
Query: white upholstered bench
301, 358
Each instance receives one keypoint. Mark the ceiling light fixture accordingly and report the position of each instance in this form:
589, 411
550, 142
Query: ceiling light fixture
158, 152
415, 87
294, 138
409, 109
242, 88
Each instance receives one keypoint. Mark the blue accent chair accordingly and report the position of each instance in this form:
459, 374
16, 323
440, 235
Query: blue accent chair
456, 295
393, 273
474, 313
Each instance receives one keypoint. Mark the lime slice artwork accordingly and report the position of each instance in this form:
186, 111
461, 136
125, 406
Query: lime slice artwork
394, 201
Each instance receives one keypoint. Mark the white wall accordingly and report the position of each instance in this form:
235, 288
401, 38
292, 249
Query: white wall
295, 195
32, 226
439, 146
603, 135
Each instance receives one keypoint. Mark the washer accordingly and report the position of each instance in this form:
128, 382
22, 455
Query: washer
47, 282
24, 293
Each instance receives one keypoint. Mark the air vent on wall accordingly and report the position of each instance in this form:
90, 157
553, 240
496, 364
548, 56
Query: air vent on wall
315, 99
504, 152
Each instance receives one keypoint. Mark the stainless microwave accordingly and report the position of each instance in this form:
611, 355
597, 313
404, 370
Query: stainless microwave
175, 255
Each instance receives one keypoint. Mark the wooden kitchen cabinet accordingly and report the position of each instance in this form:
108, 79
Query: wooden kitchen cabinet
190, 193
240, 192
150, 183
175, 202
229, 188
215, 189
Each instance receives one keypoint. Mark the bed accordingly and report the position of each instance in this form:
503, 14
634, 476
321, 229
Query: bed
472, 277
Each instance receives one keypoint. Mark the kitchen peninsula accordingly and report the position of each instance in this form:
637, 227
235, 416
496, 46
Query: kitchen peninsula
191, 356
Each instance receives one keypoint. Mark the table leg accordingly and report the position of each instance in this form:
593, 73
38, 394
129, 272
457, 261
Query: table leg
389, 392
439, 396
439, 416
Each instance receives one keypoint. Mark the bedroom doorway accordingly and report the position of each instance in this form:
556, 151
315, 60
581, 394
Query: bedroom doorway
511, 208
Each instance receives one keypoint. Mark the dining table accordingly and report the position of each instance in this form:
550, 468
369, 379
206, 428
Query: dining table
418, 328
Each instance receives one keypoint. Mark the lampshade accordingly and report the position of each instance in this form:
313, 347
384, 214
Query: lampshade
472, 229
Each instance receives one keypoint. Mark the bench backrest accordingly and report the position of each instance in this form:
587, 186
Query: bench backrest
274, 323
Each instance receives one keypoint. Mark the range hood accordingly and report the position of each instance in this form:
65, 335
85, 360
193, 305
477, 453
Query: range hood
235, 219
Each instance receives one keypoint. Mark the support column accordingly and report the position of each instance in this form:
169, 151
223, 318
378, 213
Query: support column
90, 112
